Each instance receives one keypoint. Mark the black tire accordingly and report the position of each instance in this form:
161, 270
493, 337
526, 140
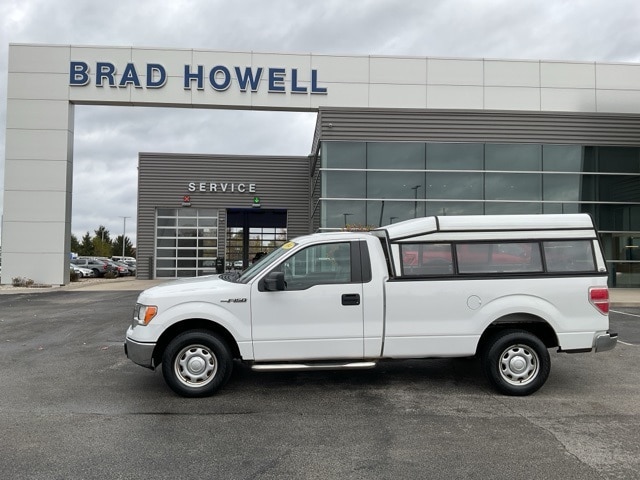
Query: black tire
516, 362
96, 272
196, 363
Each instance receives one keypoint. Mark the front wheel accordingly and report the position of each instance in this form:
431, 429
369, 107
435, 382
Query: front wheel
516, 362
196, 363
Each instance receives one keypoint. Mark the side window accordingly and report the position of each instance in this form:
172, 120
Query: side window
507, 257
323, 264
569, 256
419, 259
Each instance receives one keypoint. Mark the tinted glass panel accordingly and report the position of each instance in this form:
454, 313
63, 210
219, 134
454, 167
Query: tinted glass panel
344, 155
396, 155
426, 259
455, 185
513, 186
618, 159
187, 222
166, 232
454, 208
386, 212
166, 212
166, 242
338, 214
507, 208
614, 188
455, 156
513, 157
344, 184
561, 208
508, 257
166, 222
562, 158
569, 256
561, 187
395, 185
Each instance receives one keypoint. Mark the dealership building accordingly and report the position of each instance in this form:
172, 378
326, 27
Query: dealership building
395, 138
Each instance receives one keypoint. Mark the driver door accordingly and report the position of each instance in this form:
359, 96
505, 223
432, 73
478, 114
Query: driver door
319, 315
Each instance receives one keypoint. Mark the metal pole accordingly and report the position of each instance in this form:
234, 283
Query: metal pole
415, 202
124, 227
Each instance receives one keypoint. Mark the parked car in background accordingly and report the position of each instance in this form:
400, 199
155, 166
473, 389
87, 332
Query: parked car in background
82, 272
124, 267
120, 268
132, 267
99, 266
123, 259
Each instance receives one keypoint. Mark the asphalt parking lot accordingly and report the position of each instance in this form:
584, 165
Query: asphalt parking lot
73, 407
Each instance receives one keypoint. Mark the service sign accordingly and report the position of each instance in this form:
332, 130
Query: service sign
218, 77
222, 187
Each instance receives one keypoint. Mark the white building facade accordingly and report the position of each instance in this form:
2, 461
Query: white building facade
596, 105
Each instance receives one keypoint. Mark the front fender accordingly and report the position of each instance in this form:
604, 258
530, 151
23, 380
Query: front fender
235, 319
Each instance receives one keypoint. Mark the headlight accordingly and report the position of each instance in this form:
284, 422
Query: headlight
143, 314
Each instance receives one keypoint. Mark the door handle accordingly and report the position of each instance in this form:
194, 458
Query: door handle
351, 299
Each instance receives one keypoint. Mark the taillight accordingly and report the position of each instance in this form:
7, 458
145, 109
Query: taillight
599, 298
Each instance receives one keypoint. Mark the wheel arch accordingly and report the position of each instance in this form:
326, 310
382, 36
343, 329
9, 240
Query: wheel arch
520, 321
194, 324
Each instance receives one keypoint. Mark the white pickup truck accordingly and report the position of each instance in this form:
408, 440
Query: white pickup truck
504, 288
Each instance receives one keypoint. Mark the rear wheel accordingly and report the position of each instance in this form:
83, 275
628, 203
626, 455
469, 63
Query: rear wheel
516, 362
196, 363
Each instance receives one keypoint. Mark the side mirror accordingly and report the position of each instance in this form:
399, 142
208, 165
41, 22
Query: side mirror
274, 281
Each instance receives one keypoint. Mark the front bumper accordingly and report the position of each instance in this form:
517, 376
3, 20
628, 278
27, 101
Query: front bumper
140, 353
606, 341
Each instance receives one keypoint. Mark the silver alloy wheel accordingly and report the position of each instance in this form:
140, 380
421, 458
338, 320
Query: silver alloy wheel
519, 364
195, 365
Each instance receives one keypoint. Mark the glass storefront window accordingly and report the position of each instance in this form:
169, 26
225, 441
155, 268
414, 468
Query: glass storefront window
344, 184
386, 212
513, 157
339, 213
473, 179
619, 159
513, 186
562, 188
397, 156
510, 208
562, 158
455, 156
395, 185
454, 208
561, 208
344, 155
464, 186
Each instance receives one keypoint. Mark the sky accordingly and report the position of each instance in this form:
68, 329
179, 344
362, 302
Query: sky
108, 139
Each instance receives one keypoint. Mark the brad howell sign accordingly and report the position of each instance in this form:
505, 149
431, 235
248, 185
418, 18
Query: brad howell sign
219, 77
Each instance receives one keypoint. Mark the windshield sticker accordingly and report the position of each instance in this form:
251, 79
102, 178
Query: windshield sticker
288, 246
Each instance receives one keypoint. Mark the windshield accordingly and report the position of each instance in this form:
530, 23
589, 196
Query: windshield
265, 261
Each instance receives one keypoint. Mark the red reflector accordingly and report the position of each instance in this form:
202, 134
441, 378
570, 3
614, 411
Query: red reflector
599, 298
